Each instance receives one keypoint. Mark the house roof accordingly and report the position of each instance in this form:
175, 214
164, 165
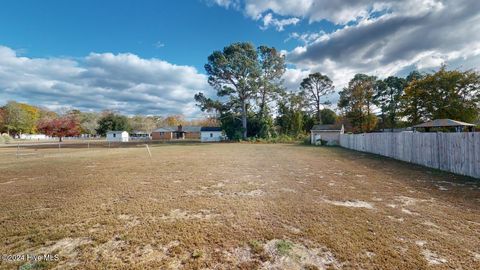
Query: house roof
175, 129
443, 123
116, 131
191, 128
334, 127
164, 129
138, 132
211, 129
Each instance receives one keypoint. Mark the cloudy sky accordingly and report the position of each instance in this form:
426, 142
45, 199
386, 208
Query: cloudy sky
147, 57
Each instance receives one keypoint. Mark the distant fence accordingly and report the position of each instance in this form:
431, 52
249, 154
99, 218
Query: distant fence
454, 152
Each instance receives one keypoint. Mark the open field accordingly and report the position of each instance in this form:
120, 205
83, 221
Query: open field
224, 206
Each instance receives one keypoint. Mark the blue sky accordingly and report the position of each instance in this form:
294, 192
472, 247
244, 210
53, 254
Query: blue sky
147, 57
180, 32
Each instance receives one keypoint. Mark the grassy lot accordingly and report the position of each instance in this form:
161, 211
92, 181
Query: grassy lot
224, 206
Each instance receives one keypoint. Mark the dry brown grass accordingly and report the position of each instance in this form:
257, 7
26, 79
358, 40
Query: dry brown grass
245, 206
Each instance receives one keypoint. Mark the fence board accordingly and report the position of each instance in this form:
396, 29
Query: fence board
454, 152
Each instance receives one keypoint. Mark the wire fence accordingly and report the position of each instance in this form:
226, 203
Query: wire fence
21, 149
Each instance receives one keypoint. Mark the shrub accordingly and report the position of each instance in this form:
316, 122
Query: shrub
5, 138
282, 138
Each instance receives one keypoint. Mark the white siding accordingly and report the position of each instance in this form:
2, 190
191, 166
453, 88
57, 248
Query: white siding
34, 136
117, 136
211, 136
333, 137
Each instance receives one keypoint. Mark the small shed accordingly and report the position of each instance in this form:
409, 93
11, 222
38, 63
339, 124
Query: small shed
117, 136
444, 125
211, 134
328, 133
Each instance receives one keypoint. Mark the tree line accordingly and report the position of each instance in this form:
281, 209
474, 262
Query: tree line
252, 101
20, 118
369, 103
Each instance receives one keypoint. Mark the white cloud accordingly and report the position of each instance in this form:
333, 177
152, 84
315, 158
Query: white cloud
268, 21
123, 82
379, 38
383, 46
293, 77
338, 12
159, 44
224, 3
309, 37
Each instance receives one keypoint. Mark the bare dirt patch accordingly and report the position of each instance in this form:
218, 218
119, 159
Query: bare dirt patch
176, 214
431, 257
289, 255
282, 254
66, 249
350, 203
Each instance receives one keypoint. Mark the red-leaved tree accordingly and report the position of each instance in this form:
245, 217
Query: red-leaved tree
59, 127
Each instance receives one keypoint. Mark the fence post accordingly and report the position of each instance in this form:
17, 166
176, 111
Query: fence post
148, 149
59, 146
18, 149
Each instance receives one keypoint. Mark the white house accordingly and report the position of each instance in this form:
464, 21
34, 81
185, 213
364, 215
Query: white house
33, 137
117, 136
211, 134
330, 134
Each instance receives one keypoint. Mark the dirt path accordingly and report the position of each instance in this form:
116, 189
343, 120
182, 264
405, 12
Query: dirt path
247, 206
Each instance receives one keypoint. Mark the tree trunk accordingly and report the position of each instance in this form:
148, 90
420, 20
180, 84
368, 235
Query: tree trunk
368, 116
319, 116
244, 119
60, 139
262, 108
263, 104
392, 119
383, 121
262, 115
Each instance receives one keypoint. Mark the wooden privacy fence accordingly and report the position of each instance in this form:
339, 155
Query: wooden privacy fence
454, 152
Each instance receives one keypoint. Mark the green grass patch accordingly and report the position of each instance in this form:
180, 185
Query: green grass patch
283, 247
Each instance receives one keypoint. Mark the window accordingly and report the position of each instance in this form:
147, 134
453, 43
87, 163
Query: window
114, 135
211, 135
